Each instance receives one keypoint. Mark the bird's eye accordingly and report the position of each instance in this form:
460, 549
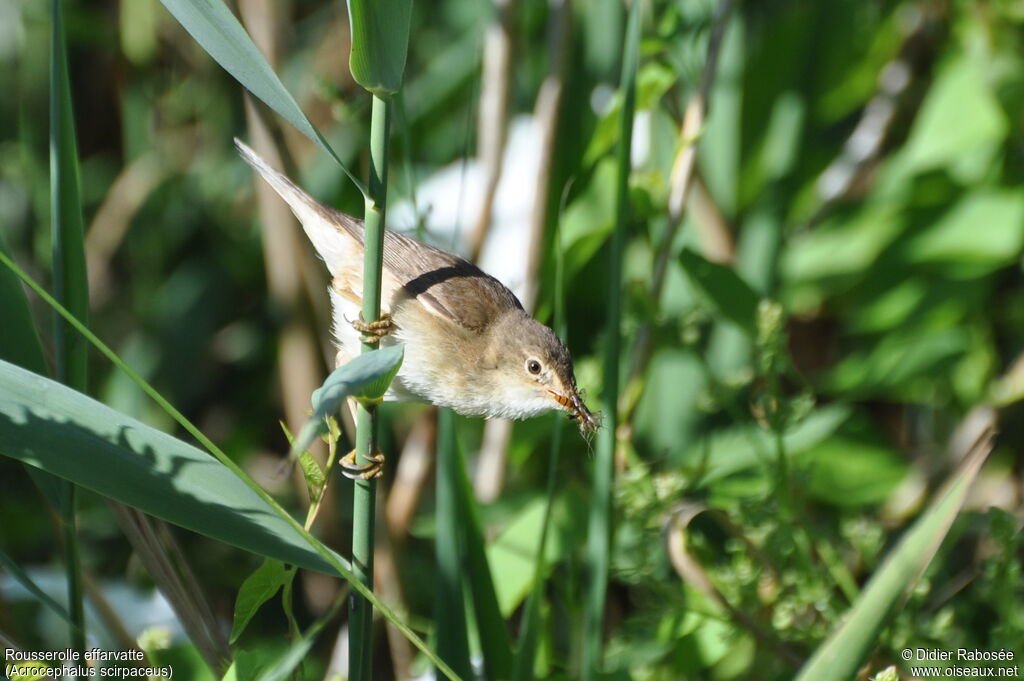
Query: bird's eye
533, 366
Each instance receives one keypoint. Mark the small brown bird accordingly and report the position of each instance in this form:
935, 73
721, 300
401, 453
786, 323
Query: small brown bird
469, 345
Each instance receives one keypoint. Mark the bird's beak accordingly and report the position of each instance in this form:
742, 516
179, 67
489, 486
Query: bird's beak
577, 410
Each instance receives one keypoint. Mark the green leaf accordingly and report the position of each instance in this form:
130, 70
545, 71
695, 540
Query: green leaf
844, 651
367, 376
599, 531
257, 589
984, 231
63, 432
728, 451
494, 639
961, 125
852, 471
314, 475
723, 289
449, 606
380, 42
218, 32
896, 364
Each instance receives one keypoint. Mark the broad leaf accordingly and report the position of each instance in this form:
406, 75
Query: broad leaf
380, 42
63, 432
723, 289
367, 376
218, 32
257, 589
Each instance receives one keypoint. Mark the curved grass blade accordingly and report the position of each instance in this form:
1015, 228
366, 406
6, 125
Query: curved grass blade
380, 42
219, 32
844, 651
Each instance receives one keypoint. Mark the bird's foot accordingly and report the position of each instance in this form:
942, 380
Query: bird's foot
373, 332
367, 471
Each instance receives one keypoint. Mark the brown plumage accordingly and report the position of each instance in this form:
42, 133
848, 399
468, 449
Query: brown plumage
469, 345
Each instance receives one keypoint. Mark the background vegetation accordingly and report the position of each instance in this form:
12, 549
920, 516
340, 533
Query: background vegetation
813, 340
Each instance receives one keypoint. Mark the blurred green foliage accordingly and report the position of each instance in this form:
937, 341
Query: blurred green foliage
863, 164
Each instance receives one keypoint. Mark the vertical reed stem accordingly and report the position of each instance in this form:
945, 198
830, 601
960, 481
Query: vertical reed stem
599, 528
364, 496
69, 285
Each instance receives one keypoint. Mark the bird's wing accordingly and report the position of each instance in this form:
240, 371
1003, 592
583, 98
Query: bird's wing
446, 285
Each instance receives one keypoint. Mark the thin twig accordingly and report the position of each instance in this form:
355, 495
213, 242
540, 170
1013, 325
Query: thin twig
164, 561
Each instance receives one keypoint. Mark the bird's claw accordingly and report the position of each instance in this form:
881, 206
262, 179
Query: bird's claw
373, 332
368, 471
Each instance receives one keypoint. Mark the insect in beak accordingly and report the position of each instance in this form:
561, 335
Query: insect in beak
577, 410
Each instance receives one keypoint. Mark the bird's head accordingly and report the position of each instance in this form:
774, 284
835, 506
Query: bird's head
534, 372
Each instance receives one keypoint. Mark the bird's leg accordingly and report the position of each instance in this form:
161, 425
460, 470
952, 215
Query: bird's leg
372, 332
368, 471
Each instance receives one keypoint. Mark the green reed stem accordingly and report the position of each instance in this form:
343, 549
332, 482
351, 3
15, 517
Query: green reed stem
599, 528
364, 496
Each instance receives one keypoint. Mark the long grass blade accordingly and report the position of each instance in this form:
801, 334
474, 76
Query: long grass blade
70, 285
599, 527
219, 32
843, 652
449, 608
494, 640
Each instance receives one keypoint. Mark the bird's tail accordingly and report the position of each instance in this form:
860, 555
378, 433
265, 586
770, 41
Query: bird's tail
331, 231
